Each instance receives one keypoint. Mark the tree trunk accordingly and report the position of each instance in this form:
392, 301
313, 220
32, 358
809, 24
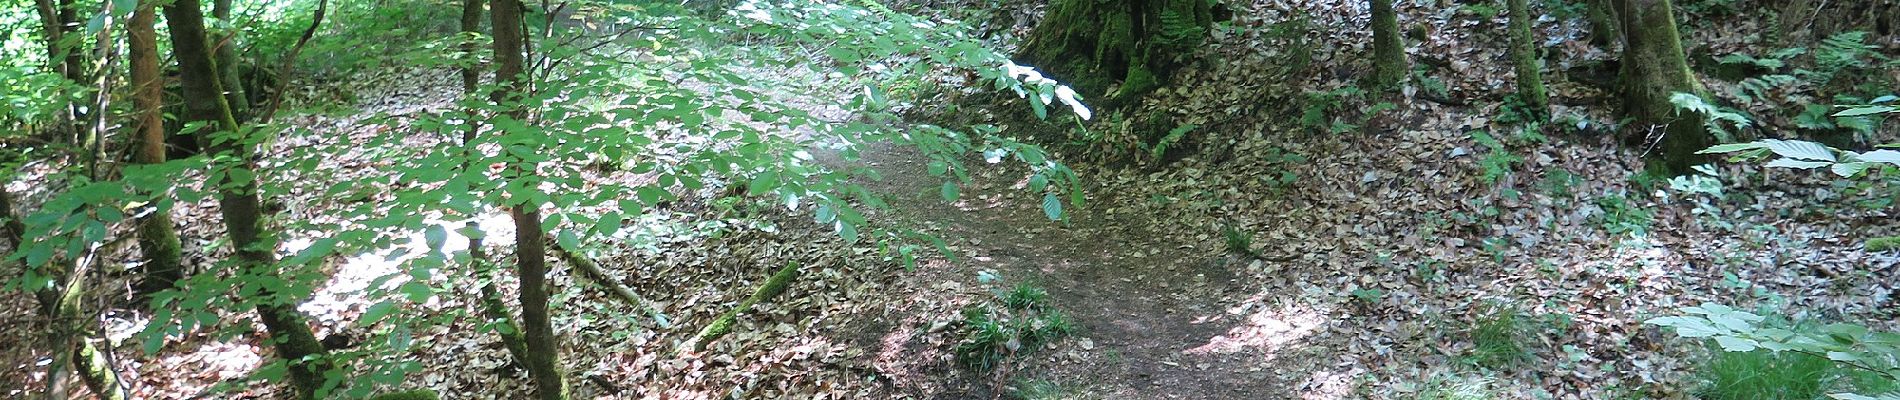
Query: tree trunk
492, 304
1605, 27
1092, 44
158, 239
544, 361
1654, 68
226, 45
60, 305
1388, 49
238, 199
1530, 75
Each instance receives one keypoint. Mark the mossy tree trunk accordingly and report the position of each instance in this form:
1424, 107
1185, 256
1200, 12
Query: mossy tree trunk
158, 239
1605, 28
239, 201
1093, 45
543, 359
226, 45
72, 343
1654, 68
1388, 49
1530, 75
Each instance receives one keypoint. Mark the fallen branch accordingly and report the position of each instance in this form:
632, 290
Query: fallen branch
723, 325
592, 271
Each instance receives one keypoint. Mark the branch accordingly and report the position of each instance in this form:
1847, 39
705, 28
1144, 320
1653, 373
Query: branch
592, 271
277, 98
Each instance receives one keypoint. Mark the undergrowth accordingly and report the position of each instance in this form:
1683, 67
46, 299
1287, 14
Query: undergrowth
1016, 321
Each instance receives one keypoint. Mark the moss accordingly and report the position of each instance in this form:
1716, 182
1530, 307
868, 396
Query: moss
1388, 49
1139, 81
1883, 244
98, 373
721, 326
164, 261
1654, 68
1530, 77
418, 394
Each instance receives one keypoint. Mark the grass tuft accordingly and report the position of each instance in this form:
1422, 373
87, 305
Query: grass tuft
1764, 375
1238, 241
1457, 388
1500, 337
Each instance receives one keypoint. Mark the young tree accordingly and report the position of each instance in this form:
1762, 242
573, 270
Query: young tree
543, 361
1654, 69
1093, 43
1530, 77
239, 201
1388, 49
158, 240
226, 45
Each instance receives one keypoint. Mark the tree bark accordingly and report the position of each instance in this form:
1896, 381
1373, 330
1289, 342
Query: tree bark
1530, 75
1388, 49
1605, 27
239, 201
226, 45
531, 263
1654, 68
158, 239
1092, 44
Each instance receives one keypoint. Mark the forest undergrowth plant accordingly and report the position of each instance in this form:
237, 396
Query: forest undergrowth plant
1500, 336
1010, 323
1622, 216
1457, 387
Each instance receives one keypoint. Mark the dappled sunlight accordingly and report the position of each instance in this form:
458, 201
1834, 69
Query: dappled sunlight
1267, 329
353, 275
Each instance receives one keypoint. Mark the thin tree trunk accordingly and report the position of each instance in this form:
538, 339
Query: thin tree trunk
226, 45
543, 361
60, 305
239, 202
492, 304
1530, 75
1388, 48
1654, 69
158, 239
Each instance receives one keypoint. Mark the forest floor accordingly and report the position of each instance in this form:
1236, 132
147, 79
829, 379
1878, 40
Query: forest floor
1390, 255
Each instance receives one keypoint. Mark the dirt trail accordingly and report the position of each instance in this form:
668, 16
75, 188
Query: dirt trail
1153, 312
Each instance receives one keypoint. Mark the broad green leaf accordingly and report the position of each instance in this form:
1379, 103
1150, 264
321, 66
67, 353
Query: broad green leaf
1052, 206
1793, 163
1731, 343
1798, 149
949, 191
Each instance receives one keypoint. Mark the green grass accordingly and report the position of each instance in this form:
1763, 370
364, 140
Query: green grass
1038, 389
1764, 375
1238, 241
1025, 296
1500, 337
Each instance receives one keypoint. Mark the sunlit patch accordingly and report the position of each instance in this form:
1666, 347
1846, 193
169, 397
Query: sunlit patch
1266, 329
353, 275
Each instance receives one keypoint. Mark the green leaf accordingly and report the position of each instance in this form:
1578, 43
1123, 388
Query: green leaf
1793, 163
763, 183
949, 191
375, 313
1731, 343
1732, 147
1869, 110
1799, 149
1052, 206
